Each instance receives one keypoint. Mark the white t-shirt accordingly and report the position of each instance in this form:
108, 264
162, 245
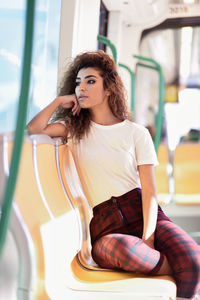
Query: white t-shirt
108, 157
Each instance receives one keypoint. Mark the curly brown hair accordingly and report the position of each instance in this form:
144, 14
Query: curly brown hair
79, 125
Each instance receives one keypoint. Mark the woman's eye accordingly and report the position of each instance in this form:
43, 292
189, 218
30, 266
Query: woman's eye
77, 83
91, 81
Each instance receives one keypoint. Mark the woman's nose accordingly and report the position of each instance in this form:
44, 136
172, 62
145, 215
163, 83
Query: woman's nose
82, 86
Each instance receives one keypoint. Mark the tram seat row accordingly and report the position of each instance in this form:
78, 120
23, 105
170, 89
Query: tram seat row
53, 258
186, 174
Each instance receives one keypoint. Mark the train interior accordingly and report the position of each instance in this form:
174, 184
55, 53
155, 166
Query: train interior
45, 250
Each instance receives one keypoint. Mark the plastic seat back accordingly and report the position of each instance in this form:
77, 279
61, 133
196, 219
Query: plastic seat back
79, 202
60, 236
187, 173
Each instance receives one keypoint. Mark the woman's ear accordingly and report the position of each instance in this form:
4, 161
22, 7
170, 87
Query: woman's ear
107, 93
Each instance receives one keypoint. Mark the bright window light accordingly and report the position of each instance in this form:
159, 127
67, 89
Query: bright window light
186, 47
188, 1
178, 116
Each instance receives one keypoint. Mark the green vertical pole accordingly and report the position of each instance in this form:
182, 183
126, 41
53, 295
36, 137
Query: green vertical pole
106, 41
132, 84
20, 124
159, 117
112, 47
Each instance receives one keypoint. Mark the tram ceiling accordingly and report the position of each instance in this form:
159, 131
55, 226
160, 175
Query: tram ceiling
138, 11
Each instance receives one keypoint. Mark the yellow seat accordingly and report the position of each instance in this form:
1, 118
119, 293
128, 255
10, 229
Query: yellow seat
49, 218
61, 236
187, 173
51, 201
86, 275
34, 214
45, 166
162, 174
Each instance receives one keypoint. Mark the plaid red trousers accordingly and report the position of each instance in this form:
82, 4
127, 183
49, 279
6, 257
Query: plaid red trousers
116, 230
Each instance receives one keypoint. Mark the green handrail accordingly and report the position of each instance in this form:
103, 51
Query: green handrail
106, 41
132, 84
20, 124
113, 49
159, 117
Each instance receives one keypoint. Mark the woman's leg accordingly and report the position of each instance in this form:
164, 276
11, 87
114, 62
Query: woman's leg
129, 253
126, 252
183, 255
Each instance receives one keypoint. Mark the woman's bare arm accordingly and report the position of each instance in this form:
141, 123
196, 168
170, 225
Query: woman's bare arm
39, 124
149, 202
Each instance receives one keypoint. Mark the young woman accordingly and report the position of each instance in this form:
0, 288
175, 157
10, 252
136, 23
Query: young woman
115, 159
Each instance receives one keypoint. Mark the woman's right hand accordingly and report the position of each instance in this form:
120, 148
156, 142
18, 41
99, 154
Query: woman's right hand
39, 124
70, 101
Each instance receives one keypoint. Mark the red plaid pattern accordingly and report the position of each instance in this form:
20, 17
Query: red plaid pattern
116, 230
183, 255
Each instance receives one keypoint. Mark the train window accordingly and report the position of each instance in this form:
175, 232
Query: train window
177, 51
44, 61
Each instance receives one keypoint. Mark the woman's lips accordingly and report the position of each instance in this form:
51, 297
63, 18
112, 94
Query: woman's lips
80, 98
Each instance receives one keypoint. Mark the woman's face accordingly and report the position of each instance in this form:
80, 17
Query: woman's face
89, 88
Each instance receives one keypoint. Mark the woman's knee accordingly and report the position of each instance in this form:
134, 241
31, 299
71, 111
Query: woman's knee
190, 265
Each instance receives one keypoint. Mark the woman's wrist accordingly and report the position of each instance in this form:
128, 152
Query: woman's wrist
57, 101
